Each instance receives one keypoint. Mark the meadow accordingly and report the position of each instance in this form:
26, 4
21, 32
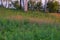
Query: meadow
24, 29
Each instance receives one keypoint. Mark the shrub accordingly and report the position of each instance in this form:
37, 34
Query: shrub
16, 4
52, 6
31, 5
38, 5
34, 6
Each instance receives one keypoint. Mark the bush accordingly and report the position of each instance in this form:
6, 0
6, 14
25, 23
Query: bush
31, 5
52, 6
16, 4
34, 6
38, 5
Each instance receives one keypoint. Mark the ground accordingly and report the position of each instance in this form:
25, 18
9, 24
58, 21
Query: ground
32, 15
36, 19
31, 25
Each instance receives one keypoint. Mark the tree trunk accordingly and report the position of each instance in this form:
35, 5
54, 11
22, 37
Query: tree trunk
6, 3
25, 5
1, 2
45, 5
20, 3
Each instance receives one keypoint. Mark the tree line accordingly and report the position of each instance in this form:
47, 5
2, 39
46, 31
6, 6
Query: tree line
51, 6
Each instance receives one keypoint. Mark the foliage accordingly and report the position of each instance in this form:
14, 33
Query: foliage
38, 5
34, 6
52, 6
16, 4
31, 5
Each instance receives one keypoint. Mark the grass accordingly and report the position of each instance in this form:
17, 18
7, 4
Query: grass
8, 12
25, 30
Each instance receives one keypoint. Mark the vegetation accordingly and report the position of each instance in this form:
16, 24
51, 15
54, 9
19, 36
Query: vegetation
37, 14
38, 6
16, 4
34, 6
53, 6
24, 30
31, 5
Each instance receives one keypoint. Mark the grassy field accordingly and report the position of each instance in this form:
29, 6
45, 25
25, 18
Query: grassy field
26, 30
9, 12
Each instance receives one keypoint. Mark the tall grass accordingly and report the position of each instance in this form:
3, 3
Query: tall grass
25, 30
8, 12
